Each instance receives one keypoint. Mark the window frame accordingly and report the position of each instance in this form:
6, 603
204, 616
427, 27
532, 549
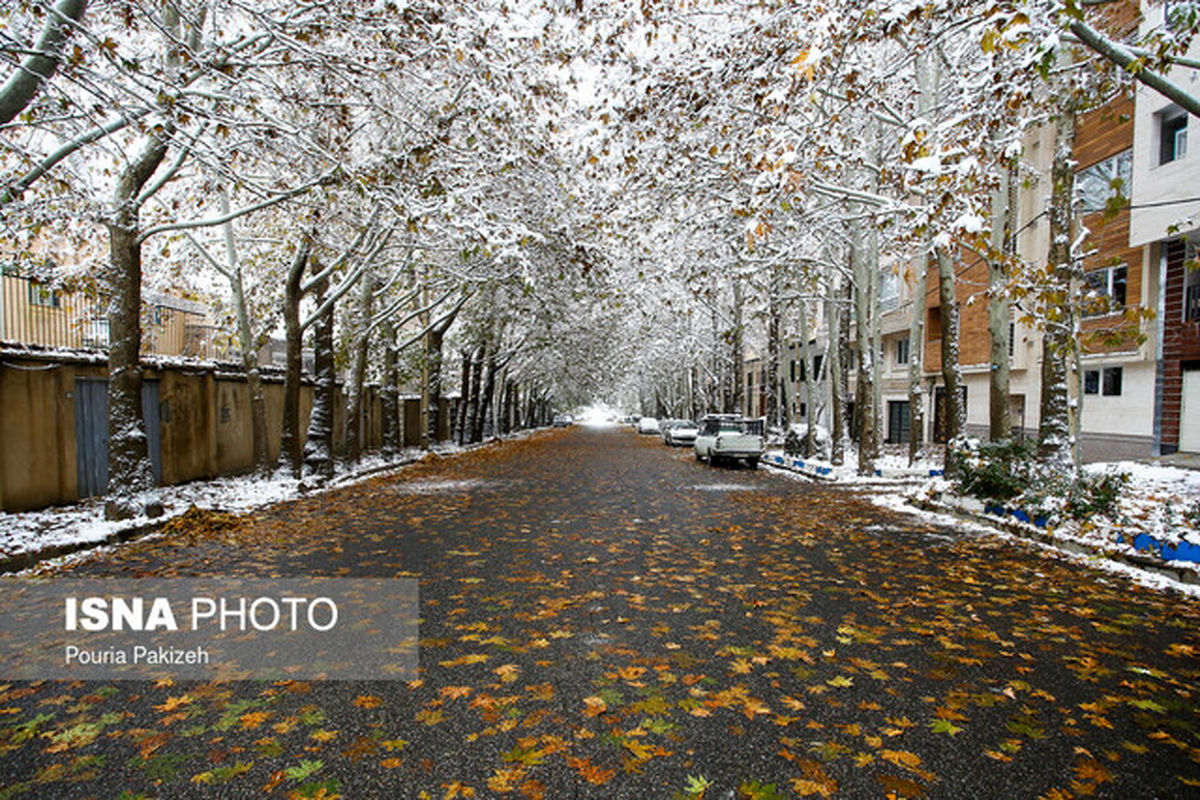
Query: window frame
42, 295
1172, 126
1110, 283
1114, 174
1112, 381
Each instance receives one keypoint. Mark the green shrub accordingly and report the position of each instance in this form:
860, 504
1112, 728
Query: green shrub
793, 443
992, 470
1010, 474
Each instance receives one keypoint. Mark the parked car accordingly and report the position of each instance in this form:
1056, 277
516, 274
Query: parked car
563, 420
647, 425
728, 437
681, 433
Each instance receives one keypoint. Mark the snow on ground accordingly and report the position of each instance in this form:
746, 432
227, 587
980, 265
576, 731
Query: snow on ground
893, 464
84, 522
1157, 502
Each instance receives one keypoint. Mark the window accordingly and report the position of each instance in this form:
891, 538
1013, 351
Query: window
817, 367
42, 295
889, 290
793, 370
901, 352
933, 324
1112, 380
1012, 338
1106, 290
1104, 182
1172, 135
1091, 381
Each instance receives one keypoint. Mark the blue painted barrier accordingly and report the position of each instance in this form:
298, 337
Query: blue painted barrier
1184, 551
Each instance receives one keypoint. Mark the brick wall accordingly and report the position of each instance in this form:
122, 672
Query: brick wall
1181, 344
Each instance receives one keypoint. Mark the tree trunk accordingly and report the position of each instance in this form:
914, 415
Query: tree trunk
837, 377
290, 440
1054, 436
258, 402
477, 357
954, 418
999, 411
433, 386
928, 82
318, 445
916, 364
737, 397
358, 373
771, 388
864, 395
37, 67
487, 395
389, 395
809, 395
129, 469
464, 391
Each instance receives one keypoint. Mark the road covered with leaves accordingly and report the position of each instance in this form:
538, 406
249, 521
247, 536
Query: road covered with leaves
604, 617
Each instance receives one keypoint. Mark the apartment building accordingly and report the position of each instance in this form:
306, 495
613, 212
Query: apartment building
1165, 224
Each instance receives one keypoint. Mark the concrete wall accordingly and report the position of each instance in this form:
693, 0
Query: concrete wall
204, 416
37, 432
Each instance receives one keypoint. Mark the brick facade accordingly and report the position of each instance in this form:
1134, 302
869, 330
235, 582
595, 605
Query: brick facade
1181, 344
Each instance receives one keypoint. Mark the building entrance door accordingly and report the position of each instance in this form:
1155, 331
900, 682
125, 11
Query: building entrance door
1189, 412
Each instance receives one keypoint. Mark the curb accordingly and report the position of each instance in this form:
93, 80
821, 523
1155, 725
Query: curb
30, 558
799, 467
887, 475
1027, 530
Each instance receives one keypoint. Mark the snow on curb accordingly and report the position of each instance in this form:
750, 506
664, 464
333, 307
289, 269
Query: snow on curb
823, 471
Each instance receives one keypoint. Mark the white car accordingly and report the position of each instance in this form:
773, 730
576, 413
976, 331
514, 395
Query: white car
682, 432
647, 425
728, 437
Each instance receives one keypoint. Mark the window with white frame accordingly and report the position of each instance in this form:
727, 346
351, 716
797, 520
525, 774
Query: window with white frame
1172, 126
902, 352
889, 290
1104, 182
1106, 290
43, 295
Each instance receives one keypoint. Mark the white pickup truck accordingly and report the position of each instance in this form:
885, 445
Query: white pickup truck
728, 437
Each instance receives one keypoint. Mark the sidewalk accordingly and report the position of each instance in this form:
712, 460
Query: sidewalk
30, 537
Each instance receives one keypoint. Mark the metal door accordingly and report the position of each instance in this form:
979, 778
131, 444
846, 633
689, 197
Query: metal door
899, 422
91, 433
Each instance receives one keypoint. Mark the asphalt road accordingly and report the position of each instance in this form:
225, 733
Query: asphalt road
604, 617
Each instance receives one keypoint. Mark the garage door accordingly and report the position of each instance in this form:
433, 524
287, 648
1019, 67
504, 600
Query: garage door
1189, 412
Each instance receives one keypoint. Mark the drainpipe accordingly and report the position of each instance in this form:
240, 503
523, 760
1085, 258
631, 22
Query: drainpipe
1160, 335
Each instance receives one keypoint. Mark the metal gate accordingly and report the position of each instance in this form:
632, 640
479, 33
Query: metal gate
91, 433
